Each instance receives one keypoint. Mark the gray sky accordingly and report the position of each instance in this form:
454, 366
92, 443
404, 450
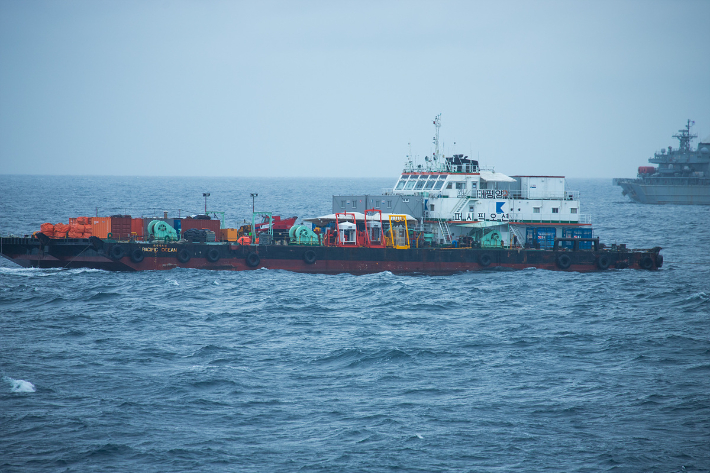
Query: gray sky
583, 89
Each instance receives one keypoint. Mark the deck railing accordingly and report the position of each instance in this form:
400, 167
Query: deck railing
550, 218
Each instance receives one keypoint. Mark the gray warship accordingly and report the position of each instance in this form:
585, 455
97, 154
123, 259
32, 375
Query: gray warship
682, 175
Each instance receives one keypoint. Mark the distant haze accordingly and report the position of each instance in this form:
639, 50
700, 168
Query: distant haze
181, 88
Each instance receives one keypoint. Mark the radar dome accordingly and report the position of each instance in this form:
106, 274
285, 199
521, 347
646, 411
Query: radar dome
705, 151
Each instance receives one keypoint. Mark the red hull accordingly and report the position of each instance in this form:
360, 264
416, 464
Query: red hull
324, 260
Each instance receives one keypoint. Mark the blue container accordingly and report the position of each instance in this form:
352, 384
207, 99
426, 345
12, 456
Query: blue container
578, 233
543, 236
177, 224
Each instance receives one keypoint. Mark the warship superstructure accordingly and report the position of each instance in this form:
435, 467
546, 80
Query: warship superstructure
682, 175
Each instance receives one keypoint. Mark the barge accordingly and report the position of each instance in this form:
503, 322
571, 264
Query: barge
443, 216
41, 252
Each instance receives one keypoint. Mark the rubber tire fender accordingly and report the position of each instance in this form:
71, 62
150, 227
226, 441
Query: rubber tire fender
183, 255
212, 255
117, 252
646, 262
603, 262
253, 260
564, 261
137, 255
485, 259
309, 257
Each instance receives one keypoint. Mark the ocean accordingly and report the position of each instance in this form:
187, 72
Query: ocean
272, 371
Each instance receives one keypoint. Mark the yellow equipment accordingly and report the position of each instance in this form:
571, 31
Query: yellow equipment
399, 233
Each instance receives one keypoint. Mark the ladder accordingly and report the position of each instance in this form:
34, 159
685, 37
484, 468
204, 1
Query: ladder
459, 205
445, 231
518, 232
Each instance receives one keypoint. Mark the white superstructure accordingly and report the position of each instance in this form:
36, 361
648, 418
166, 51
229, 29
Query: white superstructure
462, 200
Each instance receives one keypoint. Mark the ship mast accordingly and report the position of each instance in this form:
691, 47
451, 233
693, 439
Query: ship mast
437, 124
685, 137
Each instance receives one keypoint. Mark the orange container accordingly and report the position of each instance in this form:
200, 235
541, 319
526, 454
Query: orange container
137, 228
100, 226
229, 234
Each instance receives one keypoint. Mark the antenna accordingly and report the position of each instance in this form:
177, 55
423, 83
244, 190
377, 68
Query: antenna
409, 156
685, 137
437, 124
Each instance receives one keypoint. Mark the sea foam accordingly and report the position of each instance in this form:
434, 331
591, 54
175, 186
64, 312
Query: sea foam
19, 385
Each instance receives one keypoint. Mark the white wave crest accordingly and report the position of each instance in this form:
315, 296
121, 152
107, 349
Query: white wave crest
19, 385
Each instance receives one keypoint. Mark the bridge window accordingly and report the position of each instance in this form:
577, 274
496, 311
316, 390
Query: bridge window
400, 184
431, 207
573, 210
555, 210
460, 185
536, 210
438, 185
449, 185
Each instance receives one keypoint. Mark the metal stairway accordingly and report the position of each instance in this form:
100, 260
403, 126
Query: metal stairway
460, 204
445, 231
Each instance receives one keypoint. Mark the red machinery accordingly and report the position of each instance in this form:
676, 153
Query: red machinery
277, 224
